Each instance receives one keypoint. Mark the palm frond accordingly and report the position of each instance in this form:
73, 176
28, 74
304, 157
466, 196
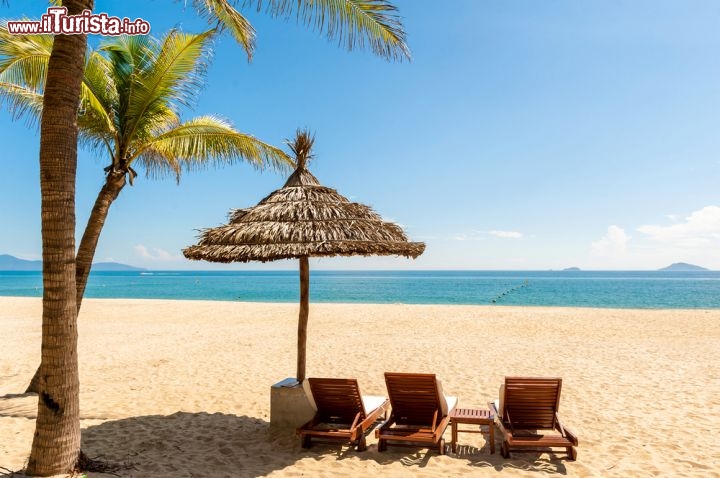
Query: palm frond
98, 97
22, 102
174, 77
203, 142
224, 13
356, 23
24, 58
127, 56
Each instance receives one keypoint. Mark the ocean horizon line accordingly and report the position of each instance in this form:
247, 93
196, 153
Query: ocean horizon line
607, 289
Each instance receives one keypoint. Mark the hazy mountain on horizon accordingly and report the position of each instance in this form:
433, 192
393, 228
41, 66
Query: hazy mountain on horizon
683, 267
12, 263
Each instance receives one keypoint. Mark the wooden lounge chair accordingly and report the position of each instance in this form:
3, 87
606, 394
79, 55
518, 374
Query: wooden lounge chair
420, 412
527, 408
342, 413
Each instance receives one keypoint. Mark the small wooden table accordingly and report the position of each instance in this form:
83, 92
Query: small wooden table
472, 416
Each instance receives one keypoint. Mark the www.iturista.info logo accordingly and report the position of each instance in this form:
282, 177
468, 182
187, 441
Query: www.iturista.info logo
57, 22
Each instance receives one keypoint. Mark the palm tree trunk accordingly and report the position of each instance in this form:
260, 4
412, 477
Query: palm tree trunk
56, 442
114, 183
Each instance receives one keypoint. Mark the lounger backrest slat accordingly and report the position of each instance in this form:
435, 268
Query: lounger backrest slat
413, 398
532, 402
337, 399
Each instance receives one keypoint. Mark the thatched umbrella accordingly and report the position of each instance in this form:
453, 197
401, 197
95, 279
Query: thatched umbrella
302, 219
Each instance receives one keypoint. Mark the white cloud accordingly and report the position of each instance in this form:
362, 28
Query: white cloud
613, 243
155, 254
700, 228
506, 234
482, 235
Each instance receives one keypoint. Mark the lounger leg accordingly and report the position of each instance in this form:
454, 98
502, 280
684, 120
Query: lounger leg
572, 453
361, 443
382, 445
492, 438
454, 433
505, 449
442, 446
306, 441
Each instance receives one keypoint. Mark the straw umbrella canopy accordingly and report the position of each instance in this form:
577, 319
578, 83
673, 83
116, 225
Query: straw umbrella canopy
300, 220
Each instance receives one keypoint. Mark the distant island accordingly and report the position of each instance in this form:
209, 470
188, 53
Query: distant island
11, 263
571, 269
683, 267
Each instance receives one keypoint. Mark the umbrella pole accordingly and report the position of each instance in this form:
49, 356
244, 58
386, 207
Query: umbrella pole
303, 319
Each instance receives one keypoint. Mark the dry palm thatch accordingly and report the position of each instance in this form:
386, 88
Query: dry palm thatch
302, 219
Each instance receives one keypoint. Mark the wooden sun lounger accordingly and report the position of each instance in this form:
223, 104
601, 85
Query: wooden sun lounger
530, 406
341, 412
418, 417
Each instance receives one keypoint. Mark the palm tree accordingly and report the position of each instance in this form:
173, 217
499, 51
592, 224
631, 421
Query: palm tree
56, 442
356, 23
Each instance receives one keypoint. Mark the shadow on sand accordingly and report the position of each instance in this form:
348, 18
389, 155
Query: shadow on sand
469, 456
190, 444
221, 445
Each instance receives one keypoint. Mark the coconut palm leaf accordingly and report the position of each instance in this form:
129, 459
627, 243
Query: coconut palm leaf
98, 97
21, 101
223, 12
203, 142
23, 68
24, 58
356, 23
128, 57
174, 78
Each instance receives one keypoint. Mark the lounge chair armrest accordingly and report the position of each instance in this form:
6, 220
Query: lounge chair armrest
566, 432
509, 420
434, 419
357, 419
437, 431
386, 424
570, 435
503, 430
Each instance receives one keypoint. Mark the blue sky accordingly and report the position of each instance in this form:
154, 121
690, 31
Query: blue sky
523, 135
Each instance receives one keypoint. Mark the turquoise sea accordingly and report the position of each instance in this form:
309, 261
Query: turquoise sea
647, 289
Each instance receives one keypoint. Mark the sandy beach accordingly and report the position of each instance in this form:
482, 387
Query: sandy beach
182, 388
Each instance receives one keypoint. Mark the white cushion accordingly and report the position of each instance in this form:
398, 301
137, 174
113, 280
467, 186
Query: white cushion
451, 402
445, 405
371, 402
500, 402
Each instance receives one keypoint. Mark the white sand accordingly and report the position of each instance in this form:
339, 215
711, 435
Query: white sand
182, 388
